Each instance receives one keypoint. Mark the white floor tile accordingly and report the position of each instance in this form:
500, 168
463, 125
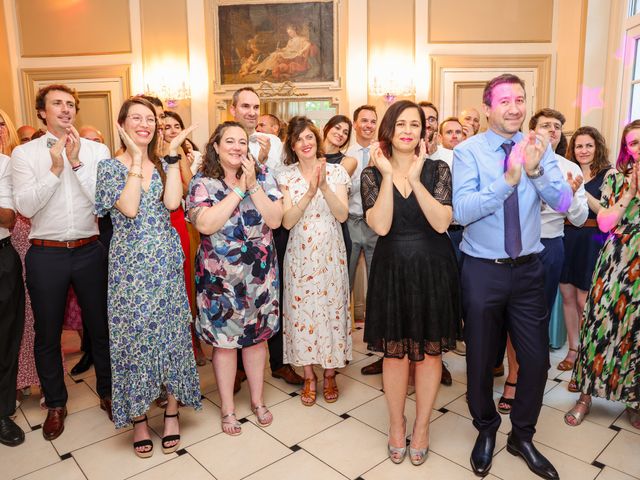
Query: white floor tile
300, 465
195, 426
434, 467
84, 428
623, 453
609, 473
182, 467
67, 470
352, 394
353, 371
80, 398
34, 454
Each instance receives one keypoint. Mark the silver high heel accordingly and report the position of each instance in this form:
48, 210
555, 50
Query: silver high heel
397, 454
417, 455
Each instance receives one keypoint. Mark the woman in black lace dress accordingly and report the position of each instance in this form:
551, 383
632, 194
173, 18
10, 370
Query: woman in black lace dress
413, 297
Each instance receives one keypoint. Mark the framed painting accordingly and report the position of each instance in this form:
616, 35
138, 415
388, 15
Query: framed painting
276, 42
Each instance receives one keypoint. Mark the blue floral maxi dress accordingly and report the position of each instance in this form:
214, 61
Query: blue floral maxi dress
237, 282
148, 308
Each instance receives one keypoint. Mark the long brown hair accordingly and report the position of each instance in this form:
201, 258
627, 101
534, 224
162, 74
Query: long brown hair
151, 148
12, 135
625, 160
211, 166
297, 125
600, 160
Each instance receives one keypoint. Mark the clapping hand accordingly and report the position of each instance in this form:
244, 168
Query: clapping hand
322, 175
379, 160
249, 172
265, 147
634, 186
413, 175
72, 146
315, 181
534, 146
179, 139
514, 164
130, 146
574, 183
57, 162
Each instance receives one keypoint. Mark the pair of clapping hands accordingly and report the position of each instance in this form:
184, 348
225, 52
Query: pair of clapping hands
69, 142
633, 181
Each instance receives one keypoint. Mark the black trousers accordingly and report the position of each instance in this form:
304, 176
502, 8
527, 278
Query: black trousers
50, 271
11, 326
494, 296
280, 239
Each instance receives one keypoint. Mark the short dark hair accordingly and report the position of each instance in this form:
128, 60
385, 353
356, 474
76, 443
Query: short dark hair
176, 117
448, 119
424, 103
546, 112
388, 124
297, 125
624, 163
499, 80
236, 94
42, 95
600, 158
152, 100
357, 111
335, 120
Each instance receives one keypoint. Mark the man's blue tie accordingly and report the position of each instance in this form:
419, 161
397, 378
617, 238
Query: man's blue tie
512, 234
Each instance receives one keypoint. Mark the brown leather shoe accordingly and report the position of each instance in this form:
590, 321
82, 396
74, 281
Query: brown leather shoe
288, 374
498, 371
240, 377
105, 404
374, 368
445, 379
54, 424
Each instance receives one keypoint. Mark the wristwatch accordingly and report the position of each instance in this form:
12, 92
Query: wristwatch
537, 173
172, 159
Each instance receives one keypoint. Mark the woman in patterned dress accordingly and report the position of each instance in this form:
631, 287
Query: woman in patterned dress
608, 362
317, 323
235, 205
148, 309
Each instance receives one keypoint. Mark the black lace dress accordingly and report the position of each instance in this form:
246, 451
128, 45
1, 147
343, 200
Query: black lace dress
413, 299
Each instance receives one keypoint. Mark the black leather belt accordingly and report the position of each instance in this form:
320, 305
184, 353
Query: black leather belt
5, 242
455, 228
515, 261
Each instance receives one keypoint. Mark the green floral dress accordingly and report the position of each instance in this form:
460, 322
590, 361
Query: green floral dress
608, 363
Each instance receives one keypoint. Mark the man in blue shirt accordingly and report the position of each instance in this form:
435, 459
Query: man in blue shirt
500, 178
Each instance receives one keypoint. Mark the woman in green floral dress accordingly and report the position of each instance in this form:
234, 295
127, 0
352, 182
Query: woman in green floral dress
608, 363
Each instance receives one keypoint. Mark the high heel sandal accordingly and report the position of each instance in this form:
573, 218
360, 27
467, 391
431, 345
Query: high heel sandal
233, 421
261, 418
577, 416
307, 393
396, 455
506, 401
142, 443
417, 456
330, 390
166, 449
565, 364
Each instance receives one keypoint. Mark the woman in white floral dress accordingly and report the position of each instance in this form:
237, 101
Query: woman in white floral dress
317, 324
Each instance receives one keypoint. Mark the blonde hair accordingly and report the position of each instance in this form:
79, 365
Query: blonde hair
14, 140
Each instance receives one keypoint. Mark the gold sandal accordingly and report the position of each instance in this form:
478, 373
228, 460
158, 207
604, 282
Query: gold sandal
566, 365
330, 390
577, 416
308, 396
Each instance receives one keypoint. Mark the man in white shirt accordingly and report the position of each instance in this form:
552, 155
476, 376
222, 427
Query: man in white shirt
54, 180
266, 148
11, 311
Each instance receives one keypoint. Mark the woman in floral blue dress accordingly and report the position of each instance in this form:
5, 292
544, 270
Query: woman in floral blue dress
147, 302
234, 204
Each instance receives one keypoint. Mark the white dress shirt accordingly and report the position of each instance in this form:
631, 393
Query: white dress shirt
60, 208
274, 159
443, 154
6, 200
552, 221
355, 199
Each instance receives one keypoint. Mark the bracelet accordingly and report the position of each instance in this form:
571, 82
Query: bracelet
133, 174
170, 159
239, 192
77, 167
254, 189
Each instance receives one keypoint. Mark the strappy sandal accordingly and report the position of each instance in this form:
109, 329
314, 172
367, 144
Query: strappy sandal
396, 455
266, 418
634, 417
566, 365
142, 443
417, 456
507, 403
230, 419
308, 396
577, 416
166, 449
573, 386
330, 390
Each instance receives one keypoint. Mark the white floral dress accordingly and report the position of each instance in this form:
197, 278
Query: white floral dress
316, 318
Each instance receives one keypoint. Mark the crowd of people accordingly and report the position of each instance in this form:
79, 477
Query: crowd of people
252, 243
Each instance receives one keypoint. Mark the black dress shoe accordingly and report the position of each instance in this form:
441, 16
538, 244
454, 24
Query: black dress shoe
83, 365
482, 453
536, 462
10, 433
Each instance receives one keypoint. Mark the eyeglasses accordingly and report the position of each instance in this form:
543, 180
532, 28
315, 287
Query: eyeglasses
432, 119
139, 118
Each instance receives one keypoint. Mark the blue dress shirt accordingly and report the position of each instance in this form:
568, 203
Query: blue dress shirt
480, 189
